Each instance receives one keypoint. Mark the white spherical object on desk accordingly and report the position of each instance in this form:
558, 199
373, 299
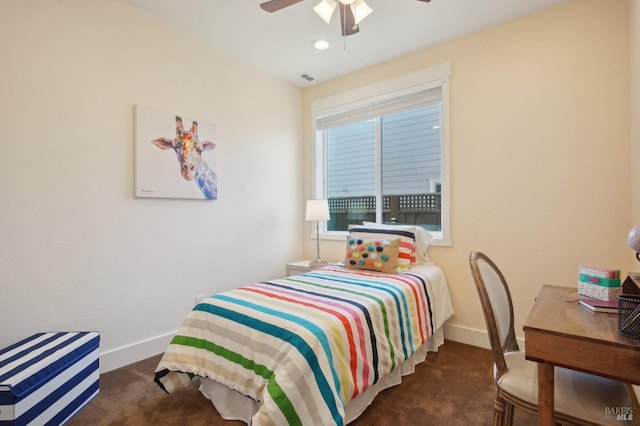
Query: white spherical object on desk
633, 239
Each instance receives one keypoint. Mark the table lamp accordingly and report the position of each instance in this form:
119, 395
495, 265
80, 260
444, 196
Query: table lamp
317, 210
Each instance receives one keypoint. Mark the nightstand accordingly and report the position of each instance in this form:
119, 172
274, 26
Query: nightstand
300, 267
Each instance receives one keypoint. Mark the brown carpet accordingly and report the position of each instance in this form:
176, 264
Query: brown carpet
452, 387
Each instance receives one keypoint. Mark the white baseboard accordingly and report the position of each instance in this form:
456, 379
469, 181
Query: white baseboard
125, 355
471, 336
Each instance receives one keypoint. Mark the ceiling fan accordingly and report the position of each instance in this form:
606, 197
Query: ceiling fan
352, 12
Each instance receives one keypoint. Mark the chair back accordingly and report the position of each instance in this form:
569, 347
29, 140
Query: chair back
497, 308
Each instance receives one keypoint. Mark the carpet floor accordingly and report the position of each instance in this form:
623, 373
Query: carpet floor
452, 387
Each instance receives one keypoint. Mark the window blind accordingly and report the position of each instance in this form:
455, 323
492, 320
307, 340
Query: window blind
381, 107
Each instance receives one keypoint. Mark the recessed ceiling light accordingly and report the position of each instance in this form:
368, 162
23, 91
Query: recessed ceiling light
321, 44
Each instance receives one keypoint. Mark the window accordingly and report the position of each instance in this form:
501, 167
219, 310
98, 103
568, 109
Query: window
384, 158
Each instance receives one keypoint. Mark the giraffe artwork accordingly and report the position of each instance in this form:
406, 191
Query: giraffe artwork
188, 148
157, 177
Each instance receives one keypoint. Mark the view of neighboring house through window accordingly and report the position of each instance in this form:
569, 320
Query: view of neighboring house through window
386, 160
408, 172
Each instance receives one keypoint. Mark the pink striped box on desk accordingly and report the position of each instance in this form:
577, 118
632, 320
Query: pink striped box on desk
597, 271
599, 283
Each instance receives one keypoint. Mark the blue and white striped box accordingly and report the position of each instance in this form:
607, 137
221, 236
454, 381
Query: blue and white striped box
48, 377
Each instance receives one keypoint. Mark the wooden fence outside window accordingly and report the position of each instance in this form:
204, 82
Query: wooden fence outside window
412, 209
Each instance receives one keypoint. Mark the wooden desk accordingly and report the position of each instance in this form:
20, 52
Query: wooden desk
558, 332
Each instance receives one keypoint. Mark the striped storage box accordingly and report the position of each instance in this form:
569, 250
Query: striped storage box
48, 377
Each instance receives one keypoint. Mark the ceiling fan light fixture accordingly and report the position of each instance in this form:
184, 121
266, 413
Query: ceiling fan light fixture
321, 44
352, 12
325, 9
360, 10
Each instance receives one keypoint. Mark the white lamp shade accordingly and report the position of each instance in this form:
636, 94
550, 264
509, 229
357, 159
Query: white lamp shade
360, 10
317, 210
325, 9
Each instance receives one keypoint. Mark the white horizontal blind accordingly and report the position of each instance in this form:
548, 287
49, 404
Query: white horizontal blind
380, 108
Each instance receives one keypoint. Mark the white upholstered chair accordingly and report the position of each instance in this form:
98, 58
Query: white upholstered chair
580, 399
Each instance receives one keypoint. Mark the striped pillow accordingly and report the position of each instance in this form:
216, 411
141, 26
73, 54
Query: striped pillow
372, 254
422, 237
407, 250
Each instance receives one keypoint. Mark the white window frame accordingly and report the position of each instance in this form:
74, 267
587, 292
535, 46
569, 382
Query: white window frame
419, 80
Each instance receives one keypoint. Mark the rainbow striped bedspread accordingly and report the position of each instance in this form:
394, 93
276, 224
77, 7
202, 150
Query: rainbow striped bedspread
304, 345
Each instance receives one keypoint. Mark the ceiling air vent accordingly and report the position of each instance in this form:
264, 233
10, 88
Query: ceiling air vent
307, 77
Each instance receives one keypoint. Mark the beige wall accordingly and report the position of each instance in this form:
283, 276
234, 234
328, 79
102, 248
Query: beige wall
77, 250
540, 146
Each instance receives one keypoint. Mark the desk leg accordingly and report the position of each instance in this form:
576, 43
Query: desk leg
545, 394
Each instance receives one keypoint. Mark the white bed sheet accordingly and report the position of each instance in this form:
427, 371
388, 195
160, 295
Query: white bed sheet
232, 405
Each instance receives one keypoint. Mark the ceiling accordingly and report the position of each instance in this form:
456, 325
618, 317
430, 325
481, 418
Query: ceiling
280, 43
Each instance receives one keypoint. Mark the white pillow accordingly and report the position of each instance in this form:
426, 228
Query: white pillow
423, 237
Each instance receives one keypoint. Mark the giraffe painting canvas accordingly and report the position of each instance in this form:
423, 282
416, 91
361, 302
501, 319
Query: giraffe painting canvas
194, 175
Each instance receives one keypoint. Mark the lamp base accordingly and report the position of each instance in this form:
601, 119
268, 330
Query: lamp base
318, 263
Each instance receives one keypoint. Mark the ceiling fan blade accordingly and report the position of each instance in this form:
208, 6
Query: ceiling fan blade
347, 21
276, 5
426, 1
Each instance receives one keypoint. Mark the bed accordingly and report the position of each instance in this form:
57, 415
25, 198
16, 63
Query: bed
314, 348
